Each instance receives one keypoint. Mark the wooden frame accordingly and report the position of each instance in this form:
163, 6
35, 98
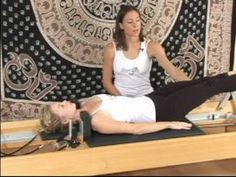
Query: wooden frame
118, 158
123, 158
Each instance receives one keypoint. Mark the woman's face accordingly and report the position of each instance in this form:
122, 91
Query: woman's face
65, 110
131, 24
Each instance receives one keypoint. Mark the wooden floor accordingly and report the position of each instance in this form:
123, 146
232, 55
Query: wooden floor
213, 168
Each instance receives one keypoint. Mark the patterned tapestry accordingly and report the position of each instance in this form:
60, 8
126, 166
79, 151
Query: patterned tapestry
52, 49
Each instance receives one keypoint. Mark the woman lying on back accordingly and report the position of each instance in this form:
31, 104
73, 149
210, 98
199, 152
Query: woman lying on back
164, 108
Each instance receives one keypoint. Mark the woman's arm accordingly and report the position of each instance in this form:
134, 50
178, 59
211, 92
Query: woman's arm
103, 123
157, 51
107, 70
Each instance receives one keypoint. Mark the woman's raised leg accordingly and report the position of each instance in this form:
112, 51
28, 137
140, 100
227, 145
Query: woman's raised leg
176, 105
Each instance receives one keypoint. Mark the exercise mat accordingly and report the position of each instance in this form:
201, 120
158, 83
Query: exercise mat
98, 139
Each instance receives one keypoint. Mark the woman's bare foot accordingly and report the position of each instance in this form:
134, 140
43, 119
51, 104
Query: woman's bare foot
231, 72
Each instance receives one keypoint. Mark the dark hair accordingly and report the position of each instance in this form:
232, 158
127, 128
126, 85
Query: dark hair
118, 35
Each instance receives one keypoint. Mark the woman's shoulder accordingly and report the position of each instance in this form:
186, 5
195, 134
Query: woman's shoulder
110, 45
151, 41
153, 45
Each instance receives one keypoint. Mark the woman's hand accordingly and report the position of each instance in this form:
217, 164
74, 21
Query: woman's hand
180, 125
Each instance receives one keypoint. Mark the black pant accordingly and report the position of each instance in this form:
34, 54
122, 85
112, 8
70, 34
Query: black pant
174, 101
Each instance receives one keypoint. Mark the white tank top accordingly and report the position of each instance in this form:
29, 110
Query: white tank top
132, 76
126, 109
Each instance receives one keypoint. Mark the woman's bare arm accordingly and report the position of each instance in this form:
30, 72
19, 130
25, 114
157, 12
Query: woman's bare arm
103, 123
157, 51
107, 70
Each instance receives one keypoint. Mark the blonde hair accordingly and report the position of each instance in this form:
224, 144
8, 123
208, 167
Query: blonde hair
50, 122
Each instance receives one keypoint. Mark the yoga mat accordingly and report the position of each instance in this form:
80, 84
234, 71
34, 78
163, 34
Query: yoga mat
97, 139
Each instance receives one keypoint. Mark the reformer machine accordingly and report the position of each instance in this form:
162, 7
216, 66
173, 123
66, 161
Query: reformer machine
116, 157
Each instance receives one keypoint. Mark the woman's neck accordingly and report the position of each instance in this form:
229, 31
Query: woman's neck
132, 41
91, 105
